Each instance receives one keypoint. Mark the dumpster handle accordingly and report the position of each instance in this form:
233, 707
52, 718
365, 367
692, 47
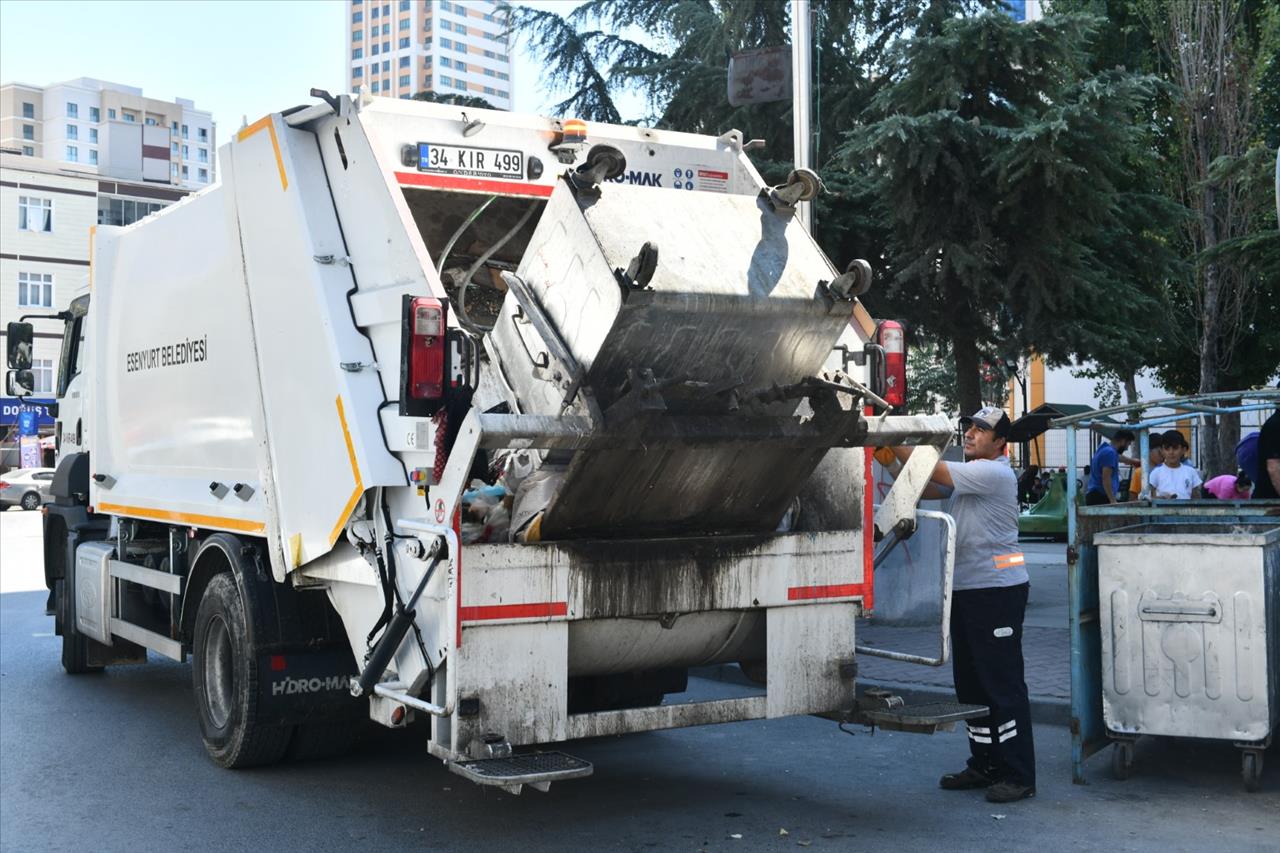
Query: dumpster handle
944, 625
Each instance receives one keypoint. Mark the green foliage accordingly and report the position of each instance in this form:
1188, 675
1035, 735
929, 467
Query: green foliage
996, 159
455, 100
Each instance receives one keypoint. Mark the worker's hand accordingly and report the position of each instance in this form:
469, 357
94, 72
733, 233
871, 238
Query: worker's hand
884, 455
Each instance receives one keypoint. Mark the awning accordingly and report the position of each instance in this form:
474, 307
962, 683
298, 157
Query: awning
1036, 421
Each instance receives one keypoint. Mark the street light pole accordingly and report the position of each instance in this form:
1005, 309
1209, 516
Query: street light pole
801, 63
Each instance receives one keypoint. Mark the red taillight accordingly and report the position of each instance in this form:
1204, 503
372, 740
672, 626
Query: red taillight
426, 349
891, 337
4, 485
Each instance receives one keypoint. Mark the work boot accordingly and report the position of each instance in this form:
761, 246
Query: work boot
966, 780
1009, 792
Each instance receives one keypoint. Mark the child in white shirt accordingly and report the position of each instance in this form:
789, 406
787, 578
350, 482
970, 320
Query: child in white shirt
1174, 479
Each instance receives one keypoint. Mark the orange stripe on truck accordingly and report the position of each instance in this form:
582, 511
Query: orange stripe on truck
243, 525
260, 124
355, 472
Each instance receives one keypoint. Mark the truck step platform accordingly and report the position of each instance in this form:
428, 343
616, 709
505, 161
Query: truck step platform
536, 769
924, 718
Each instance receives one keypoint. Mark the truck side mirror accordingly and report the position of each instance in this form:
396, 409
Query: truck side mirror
19, 336
19, 383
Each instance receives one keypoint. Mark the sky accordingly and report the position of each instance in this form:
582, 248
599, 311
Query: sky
239, 59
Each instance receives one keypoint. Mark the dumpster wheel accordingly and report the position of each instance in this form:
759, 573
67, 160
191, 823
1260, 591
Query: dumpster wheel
1251, 769
1122, 759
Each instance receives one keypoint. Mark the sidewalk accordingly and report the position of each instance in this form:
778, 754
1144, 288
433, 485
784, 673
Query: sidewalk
1046, 647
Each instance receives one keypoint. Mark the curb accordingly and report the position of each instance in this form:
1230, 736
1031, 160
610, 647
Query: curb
1045, 710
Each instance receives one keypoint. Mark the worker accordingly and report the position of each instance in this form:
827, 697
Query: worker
1104, 469
987, 607
1268, 481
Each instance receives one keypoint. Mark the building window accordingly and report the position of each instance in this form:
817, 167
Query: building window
93, 134
386, 29
405, 42
386, 65
202, 134
111, 114
446, 81
404, 5
357, 72
357, 17
126, 211
186, 173
150, 122
184, 131
173, 175
459, 47
73, 132
386, 47
35, 290
489, 90
358, 53
35, 214
445, 25
376, 48
95, 115
28, 131
204, 176
386, 10
128, 116
73, 154
404, 23
446, 62
404, 80
186, 154
28, 150
358, 35
374, 87
404, 62
447, 44
73, 110
460, 65
93, 156
426, 82
446, 6
175, 127
489, 72
42, 370
173, 148
203, 155
502, 94
426, 60
502, 75
376, 12
28, 110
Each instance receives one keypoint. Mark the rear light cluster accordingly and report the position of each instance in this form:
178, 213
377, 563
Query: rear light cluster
423, 355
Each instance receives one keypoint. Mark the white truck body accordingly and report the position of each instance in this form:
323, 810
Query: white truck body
242, 377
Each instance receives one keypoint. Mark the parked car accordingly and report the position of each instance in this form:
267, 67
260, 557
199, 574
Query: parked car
25, 487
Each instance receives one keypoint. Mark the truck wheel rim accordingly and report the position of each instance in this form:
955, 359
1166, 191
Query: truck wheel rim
218, 672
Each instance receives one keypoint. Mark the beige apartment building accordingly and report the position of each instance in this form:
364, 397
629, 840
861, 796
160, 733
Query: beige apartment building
47, 211
397, 48
112, 127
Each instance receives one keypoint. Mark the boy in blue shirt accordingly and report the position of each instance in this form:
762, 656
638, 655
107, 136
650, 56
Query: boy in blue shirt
1104, 469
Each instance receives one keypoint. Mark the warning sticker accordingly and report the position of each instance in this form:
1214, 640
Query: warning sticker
711, 180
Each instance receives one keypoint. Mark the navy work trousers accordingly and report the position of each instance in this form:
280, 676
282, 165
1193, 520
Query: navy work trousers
986, 660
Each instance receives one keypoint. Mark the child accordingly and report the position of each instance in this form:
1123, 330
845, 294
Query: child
1173, 479
1230, 487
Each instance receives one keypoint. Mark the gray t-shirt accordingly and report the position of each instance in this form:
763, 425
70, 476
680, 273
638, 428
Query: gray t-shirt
984, 504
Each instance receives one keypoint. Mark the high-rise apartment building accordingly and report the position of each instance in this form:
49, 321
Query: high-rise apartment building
398, 48
112, 128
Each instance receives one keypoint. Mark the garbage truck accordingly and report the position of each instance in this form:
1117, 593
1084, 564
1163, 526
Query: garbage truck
283, 399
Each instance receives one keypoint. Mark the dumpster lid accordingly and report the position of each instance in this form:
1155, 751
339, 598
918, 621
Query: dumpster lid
1250, 534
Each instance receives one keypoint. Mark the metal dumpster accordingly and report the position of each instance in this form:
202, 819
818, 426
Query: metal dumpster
1190, 618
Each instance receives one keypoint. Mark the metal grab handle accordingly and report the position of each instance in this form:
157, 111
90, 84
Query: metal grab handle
944, 625
1209, 610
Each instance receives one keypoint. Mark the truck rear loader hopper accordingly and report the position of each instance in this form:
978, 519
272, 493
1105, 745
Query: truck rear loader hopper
290, 379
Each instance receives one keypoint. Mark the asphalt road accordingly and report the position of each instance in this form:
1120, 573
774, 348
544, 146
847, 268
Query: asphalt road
114, 762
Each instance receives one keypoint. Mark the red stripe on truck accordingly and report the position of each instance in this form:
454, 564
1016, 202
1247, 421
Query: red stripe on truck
534, 610
838, 590
475, 185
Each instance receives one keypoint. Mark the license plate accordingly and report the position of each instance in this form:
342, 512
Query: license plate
477, 162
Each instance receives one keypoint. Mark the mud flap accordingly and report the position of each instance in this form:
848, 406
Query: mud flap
308, 686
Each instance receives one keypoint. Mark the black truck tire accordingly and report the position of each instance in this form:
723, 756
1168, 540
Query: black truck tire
75, 646
224, 675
